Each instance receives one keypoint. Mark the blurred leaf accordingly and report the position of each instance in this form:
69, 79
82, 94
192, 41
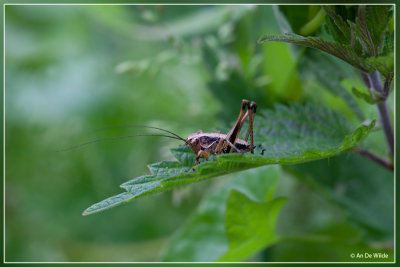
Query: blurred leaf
297, 18
285, 85
203, 236
286, 17
238, 69
329, 72
250, 225
287, 135
199, 21
341, 51
371, 98
313, 24
361, 187
327, 249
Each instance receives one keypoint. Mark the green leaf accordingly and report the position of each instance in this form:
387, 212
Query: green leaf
388, 42
361, 34
362, 188
286, 135
342, 51
384, 64
338, 27
203, 237
313, 24
327, 248
371, 98
250, 226
329, 72
377, 20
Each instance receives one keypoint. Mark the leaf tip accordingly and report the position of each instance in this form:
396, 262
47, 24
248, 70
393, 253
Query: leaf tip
260, 41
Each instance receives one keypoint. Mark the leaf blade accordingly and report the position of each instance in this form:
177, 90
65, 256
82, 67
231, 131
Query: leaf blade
203, 235
344, 52
250, 225
286, 135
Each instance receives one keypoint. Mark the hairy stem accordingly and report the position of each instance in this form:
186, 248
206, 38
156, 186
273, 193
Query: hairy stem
387, 125
375, 83
383, 162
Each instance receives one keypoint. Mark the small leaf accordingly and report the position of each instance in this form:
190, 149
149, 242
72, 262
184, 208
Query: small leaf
287, 135
338, 27
388, 43
361, 34
108, 203
384, 64
371, 98
344, 52
250, 226
377, 20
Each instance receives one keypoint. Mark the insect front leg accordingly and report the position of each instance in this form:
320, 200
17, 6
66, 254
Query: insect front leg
201, 154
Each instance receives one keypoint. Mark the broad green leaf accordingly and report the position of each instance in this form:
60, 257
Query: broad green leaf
250, 226
342, 51
203, 237
286, 135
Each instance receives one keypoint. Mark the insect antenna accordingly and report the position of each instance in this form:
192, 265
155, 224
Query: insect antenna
118, 137
141, 126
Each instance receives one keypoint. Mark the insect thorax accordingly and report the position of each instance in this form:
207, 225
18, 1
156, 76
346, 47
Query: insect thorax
209, 142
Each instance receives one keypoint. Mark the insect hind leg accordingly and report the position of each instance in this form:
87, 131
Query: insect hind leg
252, 113
232, 146
234, 132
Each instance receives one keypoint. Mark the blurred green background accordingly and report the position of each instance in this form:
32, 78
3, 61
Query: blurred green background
72, 71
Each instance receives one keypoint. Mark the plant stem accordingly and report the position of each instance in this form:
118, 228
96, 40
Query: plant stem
387, 125
384, 163
375, 83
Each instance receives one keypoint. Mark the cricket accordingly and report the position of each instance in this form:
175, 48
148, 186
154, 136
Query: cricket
204, 144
